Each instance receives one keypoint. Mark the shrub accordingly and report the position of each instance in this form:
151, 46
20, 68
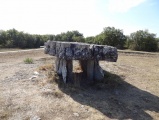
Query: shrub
28, 61
111, 36
142, 41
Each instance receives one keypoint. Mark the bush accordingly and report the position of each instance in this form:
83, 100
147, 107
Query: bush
111, 36
142, 41
28, 61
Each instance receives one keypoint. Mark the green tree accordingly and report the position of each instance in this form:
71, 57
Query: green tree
3, 38
13, 35
70, 36
111, 36
9, 44
157, 39
142, 40
90, 39
78, 39
13, 38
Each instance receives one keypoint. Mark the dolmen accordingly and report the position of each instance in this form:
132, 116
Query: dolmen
88, 56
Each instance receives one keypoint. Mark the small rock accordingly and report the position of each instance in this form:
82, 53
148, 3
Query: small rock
76, 114
87, 110
36, 73
35, 118
82, 106
34, 76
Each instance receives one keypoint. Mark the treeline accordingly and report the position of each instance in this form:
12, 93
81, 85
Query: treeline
141, 40
15, 39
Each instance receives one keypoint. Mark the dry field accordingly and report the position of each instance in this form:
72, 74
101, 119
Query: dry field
8, 49
130, 90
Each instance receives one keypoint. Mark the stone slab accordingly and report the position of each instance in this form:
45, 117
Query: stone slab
80, 51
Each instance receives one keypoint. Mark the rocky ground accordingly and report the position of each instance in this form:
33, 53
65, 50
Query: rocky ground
130, 90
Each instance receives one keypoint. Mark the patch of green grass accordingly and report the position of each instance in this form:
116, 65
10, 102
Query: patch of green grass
28, 61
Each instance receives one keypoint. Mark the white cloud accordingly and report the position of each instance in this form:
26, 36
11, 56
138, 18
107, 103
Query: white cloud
56, 16
123, 5
50, 16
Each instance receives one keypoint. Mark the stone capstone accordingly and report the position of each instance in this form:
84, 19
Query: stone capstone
80, 51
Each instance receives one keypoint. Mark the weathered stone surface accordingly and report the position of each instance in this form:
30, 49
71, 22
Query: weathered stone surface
69, 66
80, 51
78, 78
92, 70
61, 68
98, 71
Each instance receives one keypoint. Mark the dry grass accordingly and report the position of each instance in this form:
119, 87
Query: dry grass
46, 67
130, 90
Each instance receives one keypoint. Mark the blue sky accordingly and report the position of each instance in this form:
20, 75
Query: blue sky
87, 16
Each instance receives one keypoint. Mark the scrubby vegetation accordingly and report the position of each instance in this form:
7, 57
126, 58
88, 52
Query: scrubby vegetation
15, 39
141, 40
109, 36
28, 61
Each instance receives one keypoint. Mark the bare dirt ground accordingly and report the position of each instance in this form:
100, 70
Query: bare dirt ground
130, 90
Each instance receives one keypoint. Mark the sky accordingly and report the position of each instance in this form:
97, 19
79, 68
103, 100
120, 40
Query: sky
87, 16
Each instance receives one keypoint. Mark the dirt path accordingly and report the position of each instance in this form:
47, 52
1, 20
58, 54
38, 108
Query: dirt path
130, 92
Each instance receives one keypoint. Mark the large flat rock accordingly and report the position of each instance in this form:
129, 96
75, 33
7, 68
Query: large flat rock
80, 51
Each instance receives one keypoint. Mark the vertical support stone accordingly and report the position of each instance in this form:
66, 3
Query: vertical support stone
58, 66
78, 78
83, 64
90, 68
69, 66
98, 71
63, 68
90, 71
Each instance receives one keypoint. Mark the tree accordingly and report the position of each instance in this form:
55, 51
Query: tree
157, 39
3, 38
36, 41
142, 40
90, 39
70, 36
78, 39
111, 36
13, 36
